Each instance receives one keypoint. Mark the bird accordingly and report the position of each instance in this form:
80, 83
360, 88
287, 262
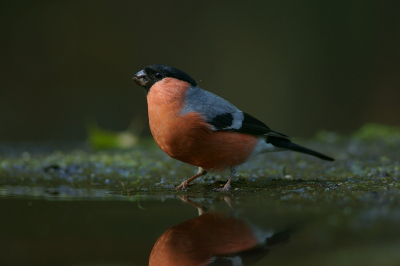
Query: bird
215, 238
202, 129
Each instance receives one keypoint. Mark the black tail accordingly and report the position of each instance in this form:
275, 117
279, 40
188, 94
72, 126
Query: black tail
287, 144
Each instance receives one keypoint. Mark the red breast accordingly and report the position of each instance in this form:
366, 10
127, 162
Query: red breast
189, 138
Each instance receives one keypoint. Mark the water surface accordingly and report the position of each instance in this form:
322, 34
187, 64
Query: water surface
69, 226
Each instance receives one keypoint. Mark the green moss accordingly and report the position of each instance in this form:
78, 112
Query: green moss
371, 131
105, 139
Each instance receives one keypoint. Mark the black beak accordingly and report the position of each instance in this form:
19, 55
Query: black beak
141, 79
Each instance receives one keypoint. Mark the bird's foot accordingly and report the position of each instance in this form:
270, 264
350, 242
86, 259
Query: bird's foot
184, 185
226, 188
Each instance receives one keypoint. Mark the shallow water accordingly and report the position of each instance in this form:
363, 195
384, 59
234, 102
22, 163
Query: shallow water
70, 226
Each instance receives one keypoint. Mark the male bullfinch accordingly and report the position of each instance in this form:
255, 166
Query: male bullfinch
202, 129
214, 238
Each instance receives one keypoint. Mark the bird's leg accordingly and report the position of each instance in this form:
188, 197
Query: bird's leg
185, 184
228, 201
201, 209
228, 184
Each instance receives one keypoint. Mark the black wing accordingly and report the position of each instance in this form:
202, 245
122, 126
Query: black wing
248, 125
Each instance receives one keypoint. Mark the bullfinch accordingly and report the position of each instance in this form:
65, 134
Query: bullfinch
215, 238
202, 129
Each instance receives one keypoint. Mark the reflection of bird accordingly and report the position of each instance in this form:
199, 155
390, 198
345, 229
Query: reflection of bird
214, 239
202, 129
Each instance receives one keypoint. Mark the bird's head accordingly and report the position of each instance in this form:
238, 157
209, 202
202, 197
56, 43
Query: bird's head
155, 73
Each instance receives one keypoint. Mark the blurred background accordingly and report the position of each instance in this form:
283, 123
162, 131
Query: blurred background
299, 66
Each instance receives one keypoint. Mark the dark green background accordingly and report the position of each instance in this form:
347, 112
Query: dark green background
297, 65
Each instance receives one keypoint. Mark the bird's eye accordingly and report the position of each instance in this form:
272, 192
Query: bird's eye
158, 75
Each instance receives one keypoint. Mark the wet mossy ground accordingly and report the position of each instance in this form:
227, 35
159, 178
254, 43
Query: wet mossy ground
364, 165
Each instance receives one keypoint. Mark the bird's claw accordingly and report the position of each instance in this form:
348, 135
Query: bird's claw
183, 186
224, 189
